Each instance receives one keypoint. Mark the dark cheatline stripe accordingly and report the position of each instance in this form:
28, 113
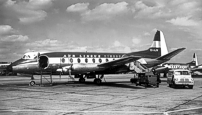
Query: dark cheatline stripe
78, 54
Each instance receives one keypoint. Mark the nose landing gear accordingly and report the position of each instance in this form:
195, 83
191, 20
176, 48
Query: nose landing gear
32, 83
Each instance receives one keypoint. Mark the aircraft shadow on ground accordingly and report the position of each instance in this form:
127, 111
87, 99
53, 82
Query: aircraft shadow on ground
116, 84
179, 87
123, 84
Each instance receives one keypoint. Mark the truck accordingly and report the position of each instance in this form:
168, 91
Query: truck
145, 79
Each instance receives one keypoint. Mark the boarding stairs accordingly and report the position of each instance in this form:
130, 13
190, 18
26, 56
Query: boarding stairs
140, 68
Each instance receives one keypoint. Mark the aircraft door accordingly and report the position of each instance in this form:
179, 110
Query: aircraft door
43, 61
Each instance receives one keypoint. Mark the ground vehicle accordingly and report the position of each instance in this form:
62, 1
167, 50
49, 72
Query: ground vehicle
146, 79
180, 77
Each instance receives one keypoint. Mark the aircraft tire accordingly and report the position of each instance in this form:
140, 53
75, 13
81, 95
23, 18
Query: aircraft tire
132, 80
190, 86
32, 83
98, 81
157, 85
173, 85
81, 80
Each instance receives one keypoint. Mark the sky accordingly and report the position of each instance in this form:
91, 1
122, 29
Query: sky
99, 26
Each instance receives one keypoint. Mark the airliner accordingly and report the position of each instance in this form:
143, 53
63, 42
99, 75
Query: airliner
192, 66
195, 66
93, 64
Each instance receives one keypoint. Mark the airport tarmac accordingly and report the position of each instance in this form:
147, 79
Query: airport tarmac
116, 96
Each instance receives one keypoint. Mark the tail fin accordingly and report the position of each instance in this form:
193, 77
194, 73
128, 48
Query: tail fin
159, 44
195, 59
171, 54
194, 62
157, 49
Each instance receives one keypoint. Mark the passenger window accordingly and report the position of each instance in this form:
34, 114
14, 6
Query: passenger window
107, 60
79, 60
71, 60
100, 60
93, 60
86, 60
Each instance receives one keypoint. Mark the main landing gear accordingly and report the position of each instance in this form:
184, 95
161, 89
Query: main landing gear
32, 82
81, 78
98, 80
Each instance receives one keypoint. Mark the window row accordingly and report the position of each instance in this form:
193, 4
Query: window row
86, 60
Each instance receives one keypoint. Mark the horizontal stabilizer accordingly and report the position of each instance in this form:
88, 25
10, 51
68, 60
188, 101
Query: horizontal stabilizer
171, 54
120, 61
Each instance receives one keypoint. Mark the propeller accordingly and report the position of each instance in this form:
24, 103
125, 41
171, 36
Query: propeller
68, 69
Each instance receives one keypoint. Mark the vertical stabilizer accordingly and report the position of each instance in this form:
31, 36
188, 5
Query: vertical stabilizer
157, 49
194, 62
195, 59
164, 49
159, 42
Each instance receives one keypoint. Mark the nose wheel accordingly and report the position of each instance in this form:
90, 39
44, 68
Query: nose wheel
32, 83
81, 80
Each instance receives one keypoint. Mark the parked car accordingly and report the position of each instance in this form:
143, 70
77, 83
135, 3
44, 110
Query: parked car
180, 77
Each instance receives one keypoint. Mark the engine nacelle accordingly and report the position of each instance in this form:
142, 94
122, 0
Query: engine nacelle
85, 67
82, 68
43, 61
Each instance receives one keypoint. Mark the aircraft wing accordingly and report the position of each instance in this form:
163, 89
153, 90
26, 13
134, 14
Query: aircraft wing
171, 54
196, 69
120, 61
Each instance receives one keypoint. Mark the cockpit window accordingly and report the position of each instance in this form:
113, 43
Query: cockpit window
24, 57
30, 55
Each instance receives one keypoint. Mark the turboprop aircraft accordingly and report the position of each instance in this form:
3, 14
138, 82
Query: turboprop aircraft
195, 66
92, 64
192, 66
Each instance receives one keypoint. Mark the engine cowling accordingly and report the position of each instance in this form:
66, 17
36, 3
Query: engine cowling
43, 61
82, 68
